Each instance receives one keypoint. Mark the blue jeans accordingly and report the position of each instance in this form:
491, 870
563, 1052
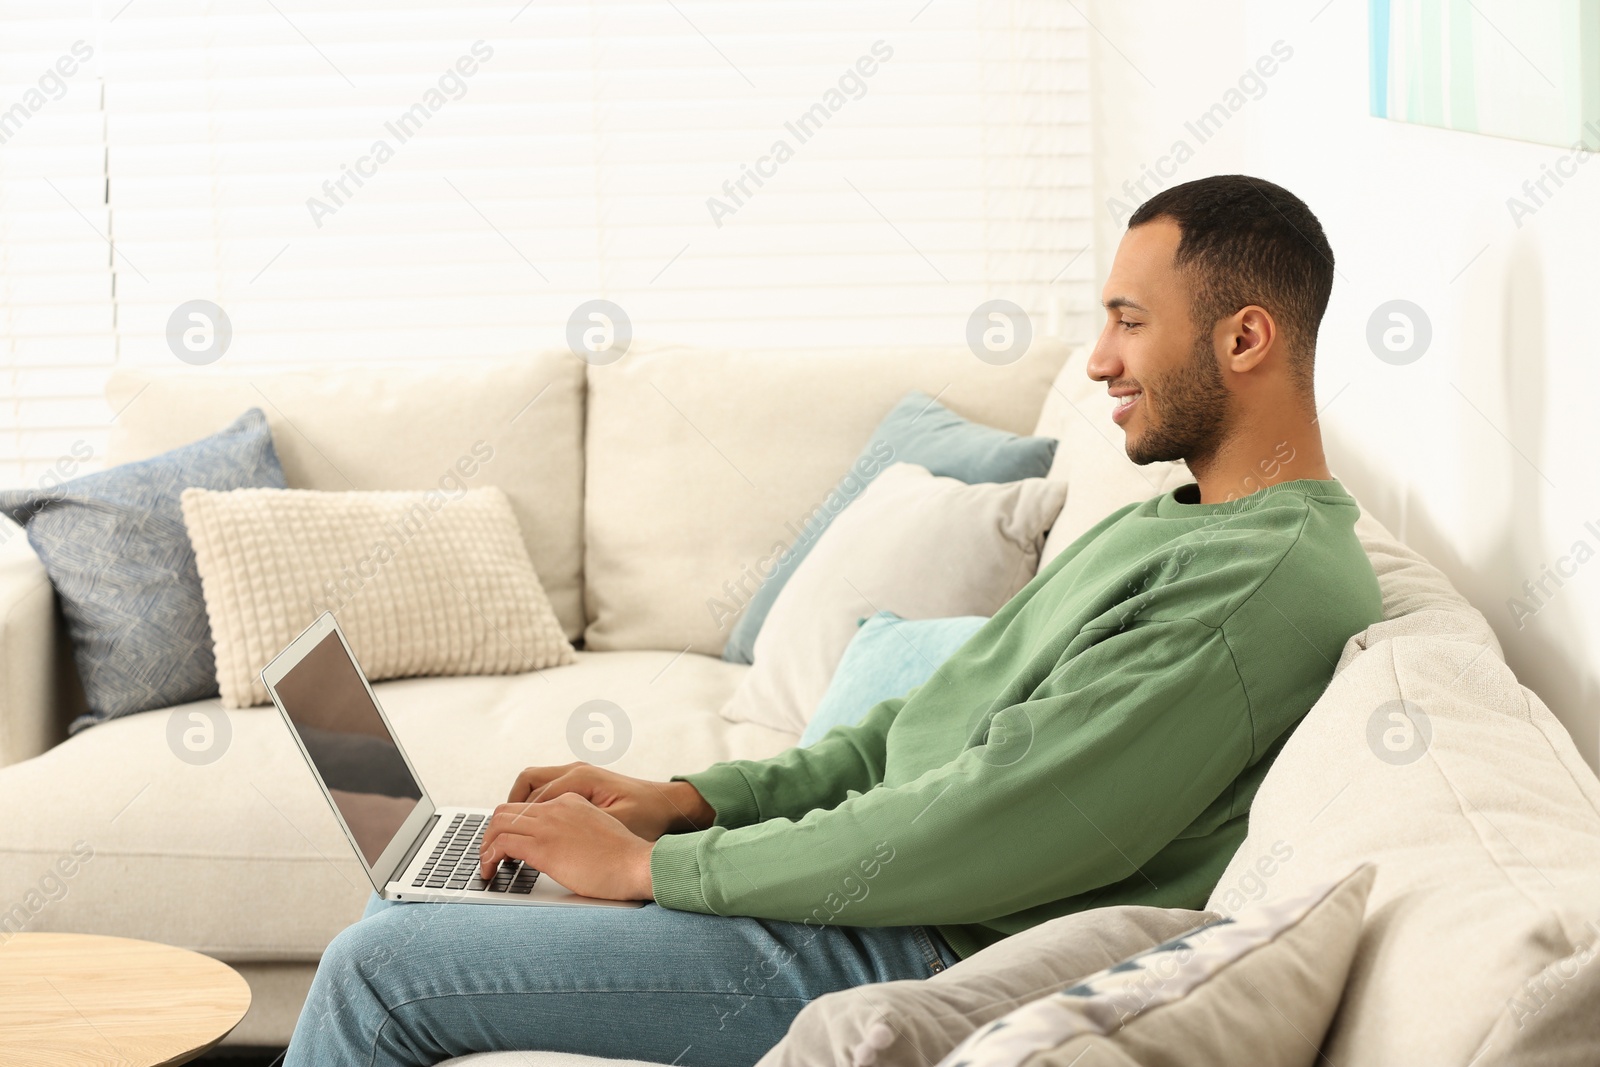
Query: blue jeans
419, 983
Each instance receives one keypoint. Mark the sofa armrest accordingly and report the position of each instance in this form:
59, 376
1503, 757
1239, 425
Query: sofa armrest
36, 695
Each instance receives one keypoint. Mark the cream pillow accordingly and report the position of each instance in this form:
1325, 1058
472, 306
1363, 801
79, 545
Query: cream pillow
1092, 458
921, 546
422, 582
1260, 987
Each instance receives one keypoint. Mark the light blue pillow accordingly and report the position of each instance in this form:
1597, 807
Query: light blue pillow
888, 657
116, 550
919, 430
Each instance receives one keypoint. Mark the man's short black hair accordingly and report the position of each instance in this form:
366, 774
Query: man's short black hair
1248, 241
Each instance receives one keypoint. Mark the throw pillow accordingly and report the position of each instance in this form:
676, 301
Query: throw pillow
114, 546
1259, 987
915, 1023
918, 545
918, 430
1093, 458
888, 657
423, 583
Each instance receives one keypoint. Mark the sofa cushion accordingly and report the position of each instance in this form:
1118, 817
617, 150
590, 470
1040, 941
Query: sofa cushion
1428, 759
121, 564
398, 426
422, 583
918, 430
701, 464
247, 840
1418, 600
1091, 457
1552, 1020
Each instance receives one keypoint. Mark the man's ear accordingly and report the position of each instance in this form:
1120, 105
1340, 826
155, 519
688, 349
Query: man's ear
1246, 337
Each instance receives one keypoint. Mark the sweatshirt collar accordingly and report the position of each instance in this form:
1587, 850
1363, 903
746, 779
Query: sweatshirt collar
1179, 502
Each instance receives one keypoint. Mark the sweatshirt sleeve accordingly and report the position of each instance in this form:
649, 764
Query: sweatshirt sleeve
1123, 746
847, 759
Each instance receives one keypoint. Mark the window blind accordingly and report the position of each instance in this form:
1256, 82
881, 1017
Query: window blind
380, 180
57, 306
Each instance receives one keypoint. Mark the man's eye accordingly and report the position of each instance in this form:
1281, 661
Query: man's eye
1127, 324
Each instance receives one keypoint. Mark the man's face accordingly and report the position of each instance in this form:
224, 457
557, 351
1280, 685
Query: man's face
1172, 400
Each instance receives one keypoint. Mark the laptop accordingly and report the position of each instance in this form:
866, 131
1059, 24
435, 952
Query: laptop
411, 849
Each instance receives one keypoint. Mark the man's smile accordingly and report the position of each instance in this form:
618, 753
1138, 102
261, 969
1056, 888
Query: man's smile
1125, 403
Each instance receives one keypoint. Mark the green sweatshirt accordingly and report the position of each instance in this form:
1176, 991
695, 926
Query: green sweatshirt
1097, 742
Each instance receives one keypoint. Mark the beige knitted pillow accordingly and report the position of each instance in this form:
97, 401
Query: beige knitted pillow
422, 583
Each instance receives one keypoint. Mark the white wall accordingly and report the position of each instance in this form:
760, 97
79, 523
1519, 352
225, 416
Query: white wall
1481, 454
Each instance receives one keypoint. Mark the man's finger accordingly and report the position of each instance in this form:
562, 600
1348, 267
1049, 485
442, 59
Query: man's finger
518, 808
576, 782
507, 847
507, 818
533, 779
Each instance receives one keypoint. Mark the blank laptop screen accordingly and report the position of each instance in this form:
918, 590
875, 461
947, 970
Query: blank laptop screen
351, 749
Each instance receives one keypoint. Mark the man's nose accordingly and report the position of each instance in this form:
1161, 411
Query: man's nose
1104, 365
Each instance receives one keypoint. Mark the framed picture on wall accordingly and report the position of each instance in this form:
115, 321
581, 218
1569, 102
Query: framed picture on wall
1525, 69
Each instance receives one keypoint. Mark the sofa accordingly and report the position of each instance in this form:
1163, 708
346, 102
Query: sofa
645, 489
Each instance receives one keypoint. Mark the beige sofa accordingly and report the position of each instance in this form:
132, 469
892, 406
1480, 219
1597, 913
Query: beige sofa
646, 489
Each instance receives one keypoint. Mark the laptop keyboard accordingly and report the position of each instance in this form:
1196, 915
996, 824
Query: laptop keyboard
454, 862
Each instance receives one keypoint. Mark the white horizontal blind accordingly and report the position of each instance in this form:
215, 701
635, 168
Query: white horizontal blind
57, 309
383, 179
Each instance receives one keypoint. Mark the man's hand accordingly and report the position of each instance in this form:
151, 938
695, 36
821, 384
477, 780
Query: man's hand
573, 841
649, 809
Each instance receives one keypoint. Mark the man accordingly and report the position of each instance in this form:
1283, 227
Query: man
1098, 742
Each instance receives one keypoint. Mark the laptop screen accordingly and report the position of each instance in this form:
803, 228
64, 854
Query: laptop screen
351, 749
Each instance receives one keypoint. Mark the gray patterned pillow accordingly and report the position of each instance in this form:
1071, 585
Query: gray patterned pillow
1258, 987
117, 552
917, 1022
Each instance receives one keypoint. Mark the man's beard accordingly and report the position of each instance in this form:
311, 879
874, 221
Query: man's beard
1190, 416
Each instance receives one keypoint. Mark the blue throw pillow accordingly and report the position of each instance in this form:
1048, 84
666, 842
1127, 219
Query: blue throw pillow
919, 430
888, 657
116, 550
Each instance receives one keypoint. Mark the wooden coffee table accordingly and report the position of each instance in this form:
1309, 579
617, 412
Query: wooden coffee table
79, 998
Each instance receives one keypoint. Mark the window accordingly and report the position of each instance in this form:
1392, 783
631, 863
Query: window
350, 180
